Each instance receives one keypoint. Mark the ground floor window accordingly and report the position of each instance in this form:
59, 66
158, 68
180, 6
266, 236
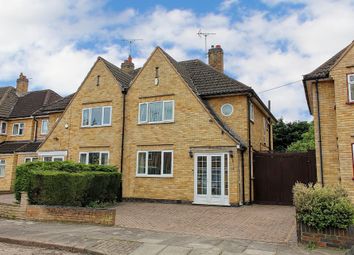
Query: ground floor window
155, 163
31, 159
53, 158
2, 167
95, 158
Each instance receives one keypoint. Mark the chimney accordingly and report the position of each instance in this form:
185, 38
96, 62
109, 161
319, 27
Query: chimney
22, 85
128, 66
216, 58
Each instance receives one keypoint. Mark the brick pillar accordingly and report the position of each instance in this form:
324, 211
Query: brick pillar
24, 200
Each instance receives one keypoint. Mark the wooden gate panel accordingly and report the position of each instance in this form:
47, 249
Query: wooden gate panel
276, 173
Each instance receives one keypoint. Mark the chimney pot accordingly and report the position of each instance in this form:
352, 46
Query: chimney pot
216, 58
22, 85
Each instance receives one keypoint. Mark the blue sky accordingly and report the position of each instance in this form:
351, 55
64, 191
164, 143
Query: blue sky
267, 43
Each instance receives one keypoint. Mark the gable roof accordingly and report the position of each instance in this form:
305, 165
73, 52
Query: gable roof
322, 72
56, 106
22, 146
8, 99
28, 104
123, 78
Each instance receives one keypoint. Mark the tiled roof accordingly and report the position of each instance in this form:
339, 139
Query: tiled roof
23, 146
123, 78
323, 70
56, 106
28, 104
8, 99
208, 81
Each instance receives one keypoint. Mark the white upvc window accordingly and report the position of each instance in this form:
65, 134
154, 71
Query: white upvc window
2, 168
96, 158
30, 159
3, 129
154, 163
44, 127
18, 129
251, 111
351, 88
96, 116
156, 112
53, 158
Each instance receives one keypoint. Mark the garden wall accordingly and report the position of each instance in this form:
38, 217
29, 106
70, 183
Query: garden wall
57, 213
331, 237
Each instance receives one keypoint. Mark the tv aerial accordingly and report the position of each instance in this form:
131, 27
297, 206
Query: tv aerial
205, 35
131, 41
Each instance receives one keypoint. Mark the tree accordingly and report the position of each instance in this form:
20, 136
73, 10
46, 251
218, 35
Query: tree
288, 133
306, 143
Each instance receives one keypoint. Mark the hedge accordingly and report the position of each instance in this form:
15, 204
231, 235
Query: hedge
73, 188
24, 171
323, 207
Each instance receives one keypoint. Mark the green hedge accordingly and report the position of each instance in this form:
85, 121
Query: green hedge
73, 188
23, 172
323, 207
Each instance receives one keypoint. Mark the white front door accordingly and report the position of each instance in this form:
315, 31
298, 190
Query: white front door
211, 178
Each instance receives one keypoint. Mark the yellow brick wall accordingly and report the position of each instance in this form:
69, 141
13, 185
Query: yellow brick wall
328, 130
6, 183
77, 139
192, 127
28, 130
345, 120
52, 120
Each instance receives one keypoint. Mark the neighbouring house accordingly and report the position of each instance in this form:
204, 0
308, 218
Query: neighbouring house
23, 126
178, 131
330, 96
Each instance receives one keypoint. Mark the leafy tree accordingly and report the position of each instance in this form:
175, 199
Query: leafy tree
287, 133
306, 143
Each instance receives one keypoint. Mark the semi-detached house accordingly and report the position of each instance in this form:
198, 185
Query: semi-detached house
178, 131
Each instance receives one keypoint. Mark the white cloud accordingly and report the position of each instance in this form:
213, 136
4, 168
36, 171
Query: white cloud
262, 49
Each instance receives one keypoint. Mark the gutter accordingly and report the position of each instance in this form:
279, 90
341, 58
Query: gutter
249, 147
124, 92
243, 174
319, 132
35, 128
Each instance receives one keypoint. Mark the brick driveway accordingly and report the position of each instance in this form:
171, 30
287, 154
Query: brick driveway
256, 222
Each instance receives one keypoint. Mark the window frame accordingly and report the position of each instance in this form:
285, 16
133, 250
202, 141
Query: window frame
251, 112
90, 116
44, 120
227, 104
87, 157
52, 158
2, 122
23, 129
31, 159
163, 112
350, 99
162, 175
3, 163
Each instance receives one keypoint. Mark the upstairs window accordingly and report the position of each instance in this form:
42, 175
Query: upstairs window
97, 116
3, 129
95, 158
251, 112
2, 168
44, 127
351, 88
18, 128
155, 163
156, 112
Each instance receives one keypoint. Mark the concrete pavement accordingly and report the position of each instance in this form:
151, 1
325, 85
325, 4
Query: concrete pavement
89, 239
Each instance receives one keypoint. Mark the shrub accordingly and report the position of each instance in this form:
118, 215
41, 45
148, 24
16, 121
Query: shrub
323, 207
73, 188
24, 171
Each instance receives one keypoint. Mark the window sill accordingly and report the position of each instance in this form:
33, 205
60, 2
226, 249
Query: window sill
350, 103
154, 176
17, 135
97, 126
2, 134
156, 123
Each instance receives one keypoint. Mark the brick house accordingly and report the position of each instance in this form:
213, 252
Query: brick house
180, 131
24, 124
330, 96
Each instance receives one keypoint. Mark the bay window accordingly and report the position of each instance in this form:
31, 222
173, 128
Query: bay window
156, 112
95, 158
155, 163
351, 88
96, 116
